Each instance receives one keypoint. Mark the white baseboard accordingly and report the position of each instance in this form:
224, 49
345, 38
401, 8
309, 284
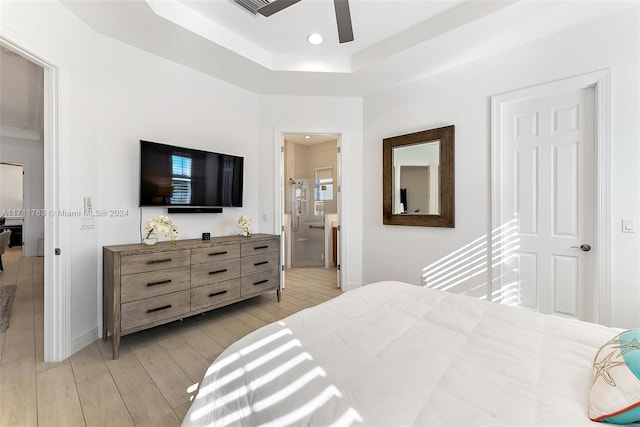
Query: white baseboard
351, 285
84, 340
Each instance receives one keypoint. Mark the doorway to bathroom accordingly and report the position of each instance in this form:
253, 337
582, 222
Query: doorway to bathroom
311, 202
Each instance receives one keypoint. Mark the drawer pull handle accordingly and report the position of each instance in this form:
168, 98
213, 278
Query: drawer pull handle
218, 271
161, 282
164, 307
215, 294
159, 261
261, 263
261, 282
218, 253
261, 247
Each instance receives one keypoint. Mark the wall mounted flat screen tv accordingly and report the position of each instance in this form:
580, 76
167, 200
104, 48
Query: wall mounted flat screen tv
183, 177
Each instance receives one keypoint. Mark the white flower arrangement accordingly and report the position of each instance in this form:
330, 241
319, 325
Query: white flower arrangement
244, 225
162, 224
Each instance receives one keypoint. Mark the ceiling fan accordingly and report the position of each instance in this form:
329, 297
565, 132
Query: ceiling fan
268, 8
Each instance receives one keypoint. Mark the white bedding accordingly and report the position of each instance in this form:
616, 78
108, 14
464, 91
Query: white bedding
393, 354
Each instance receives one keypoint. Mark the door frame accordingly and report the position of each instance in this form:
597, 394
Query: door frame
57, 290
600, 81
279, 186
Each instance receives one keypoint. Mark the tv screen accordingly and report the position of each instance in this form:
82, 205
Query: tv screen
184, 177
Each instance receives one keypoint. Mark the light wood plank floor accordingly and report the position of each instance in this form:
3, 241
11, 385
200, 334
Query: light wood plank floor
157, 372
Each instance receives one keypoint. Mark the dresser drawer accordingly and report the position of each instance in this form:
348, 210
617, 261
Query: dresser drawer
214, 253
255, 248
144, 311
259, 282
259, 263
213, 272
147, 286
150, 284
205, 296
154, 261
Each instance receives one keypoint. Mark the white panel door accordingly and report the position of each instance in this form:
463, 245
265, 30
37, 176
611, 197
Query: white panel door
548, 194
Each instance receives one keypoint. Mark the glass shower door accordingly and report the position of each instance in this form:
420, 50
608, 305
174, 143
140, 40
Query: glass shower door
307, 243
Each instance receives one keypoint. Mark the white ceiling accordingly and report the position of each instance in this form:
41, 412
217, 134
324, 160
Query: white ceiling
396, 41
279, 42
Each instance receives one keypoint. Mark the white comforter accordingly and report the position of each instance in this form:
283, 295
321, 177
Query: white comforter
393, 354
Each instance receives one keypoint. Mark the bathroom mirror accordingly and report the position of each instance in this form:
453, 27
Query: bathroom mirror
418, 177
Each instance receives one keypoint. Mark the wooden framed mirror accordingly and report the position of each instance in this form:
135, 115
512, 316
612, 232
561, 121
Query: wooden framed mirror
418, 178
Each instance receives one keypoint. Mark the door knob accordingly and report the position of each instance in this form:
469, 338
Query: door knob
583, 247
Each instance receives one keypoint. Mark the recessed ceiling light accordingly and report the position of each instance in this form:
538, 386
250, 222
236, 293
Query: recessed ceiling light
307, 137
315, 38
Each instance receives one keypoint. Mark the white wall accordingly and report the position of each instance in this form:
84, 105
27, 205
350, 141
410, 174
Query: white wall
111, 96
36, 27
154, 99
298, 114
462, 97
157, 100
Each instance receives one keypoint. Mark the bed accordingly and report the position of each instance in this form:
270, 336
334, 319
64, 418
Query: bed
394, 354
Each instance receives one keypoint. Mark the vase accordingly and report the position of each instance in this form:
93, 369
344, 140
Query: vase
150, 239
246, 233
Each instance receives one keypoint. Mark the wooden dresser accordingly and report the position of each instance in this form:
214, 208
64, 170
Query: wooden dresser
146, 286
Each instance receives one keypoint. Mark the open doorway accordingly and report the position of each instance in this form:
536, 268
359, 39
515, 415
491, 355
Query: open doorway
22, 202
29, 137
22, 150
311, 207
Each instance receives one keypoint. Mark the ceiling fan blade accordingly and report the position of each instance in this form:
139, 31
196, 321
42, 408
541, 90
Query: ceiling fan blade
343, 18
276, 6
